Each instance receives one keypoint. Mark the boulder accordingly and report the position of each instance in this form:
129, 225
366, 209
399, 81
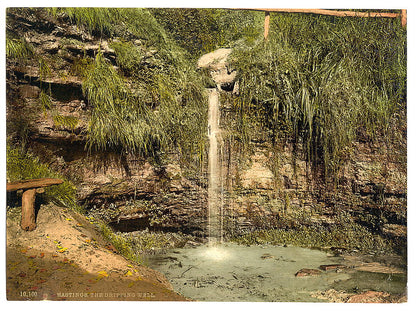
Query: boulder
218, 65
215, 60
336, 267
307, 272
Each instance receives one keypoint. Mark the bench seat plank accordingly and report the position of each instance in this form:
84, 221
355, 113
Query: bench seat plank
33, 183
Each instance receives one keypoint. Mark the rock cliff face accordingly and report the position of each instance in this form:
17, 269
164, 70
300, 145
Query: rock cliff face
270, 185
371, 186
132, 194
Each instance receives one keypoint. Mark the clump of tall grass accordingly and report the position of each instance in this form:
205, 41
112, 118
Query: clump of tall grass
45, 101
100, 20
18, 48
119, 121
129, 56
318, 80
65, 122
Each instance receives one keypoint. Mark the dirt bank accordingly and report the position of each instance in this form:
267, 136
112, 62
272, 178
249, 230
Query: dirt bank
65, 258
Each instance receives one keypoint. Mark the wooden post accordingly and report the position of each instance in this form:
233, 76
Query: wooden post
28, 222
404, 18
266, 24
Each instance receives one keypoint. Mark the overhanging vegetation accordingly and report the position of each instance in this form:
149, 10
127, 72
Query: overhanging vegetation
320, 80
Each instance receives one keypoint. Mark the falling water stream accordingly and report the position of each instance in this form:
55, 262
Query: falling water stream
215, 224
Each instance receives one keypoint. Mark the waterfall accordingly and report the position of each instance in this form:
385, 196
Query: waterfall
215, 225
217, 64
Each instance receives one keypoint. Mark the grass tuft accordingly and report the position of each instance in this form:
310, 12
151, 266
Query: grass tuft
18, 48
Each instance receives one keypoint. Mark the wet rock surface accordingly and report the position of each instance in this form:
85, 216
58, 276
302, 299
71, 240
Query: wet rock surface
307, 272
219, 67
336, 267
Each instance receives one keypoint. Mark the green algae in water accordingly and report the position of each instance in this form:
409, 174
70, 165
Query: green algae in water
241, 273
231, 272
360, 281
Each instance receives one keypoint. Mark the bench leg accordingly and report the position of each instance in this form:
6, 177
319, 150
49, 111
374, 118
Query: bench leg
28, 222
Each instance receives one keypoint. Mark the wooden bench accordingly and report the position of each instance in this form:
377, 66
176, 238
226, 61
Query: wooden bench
30, 187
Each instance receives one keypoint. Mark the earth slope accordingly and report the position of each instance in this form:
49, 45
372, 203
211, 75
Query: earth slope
65, 258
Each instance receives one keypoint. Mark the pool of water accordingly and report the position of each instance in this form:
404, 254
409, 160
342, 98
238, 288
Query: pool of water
232, 272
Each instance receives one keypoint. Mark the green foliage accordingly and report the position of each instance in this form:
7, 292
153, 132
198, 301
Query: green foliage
146, 241
45, 101
44, 69
122, 121
100, 20
133, 245
81, 66
154, 103
129, 56
141, 24
319, 80
24, 165
17, 47
117, 22
200, 31
127, 24
184, 116
64, 42
103, 86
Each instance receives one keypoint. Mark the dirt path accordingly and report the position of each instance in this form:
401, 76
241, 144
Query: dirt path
66, 259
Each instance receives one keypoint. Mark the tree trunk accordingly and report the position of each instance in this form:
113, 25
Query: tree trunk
28, 210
